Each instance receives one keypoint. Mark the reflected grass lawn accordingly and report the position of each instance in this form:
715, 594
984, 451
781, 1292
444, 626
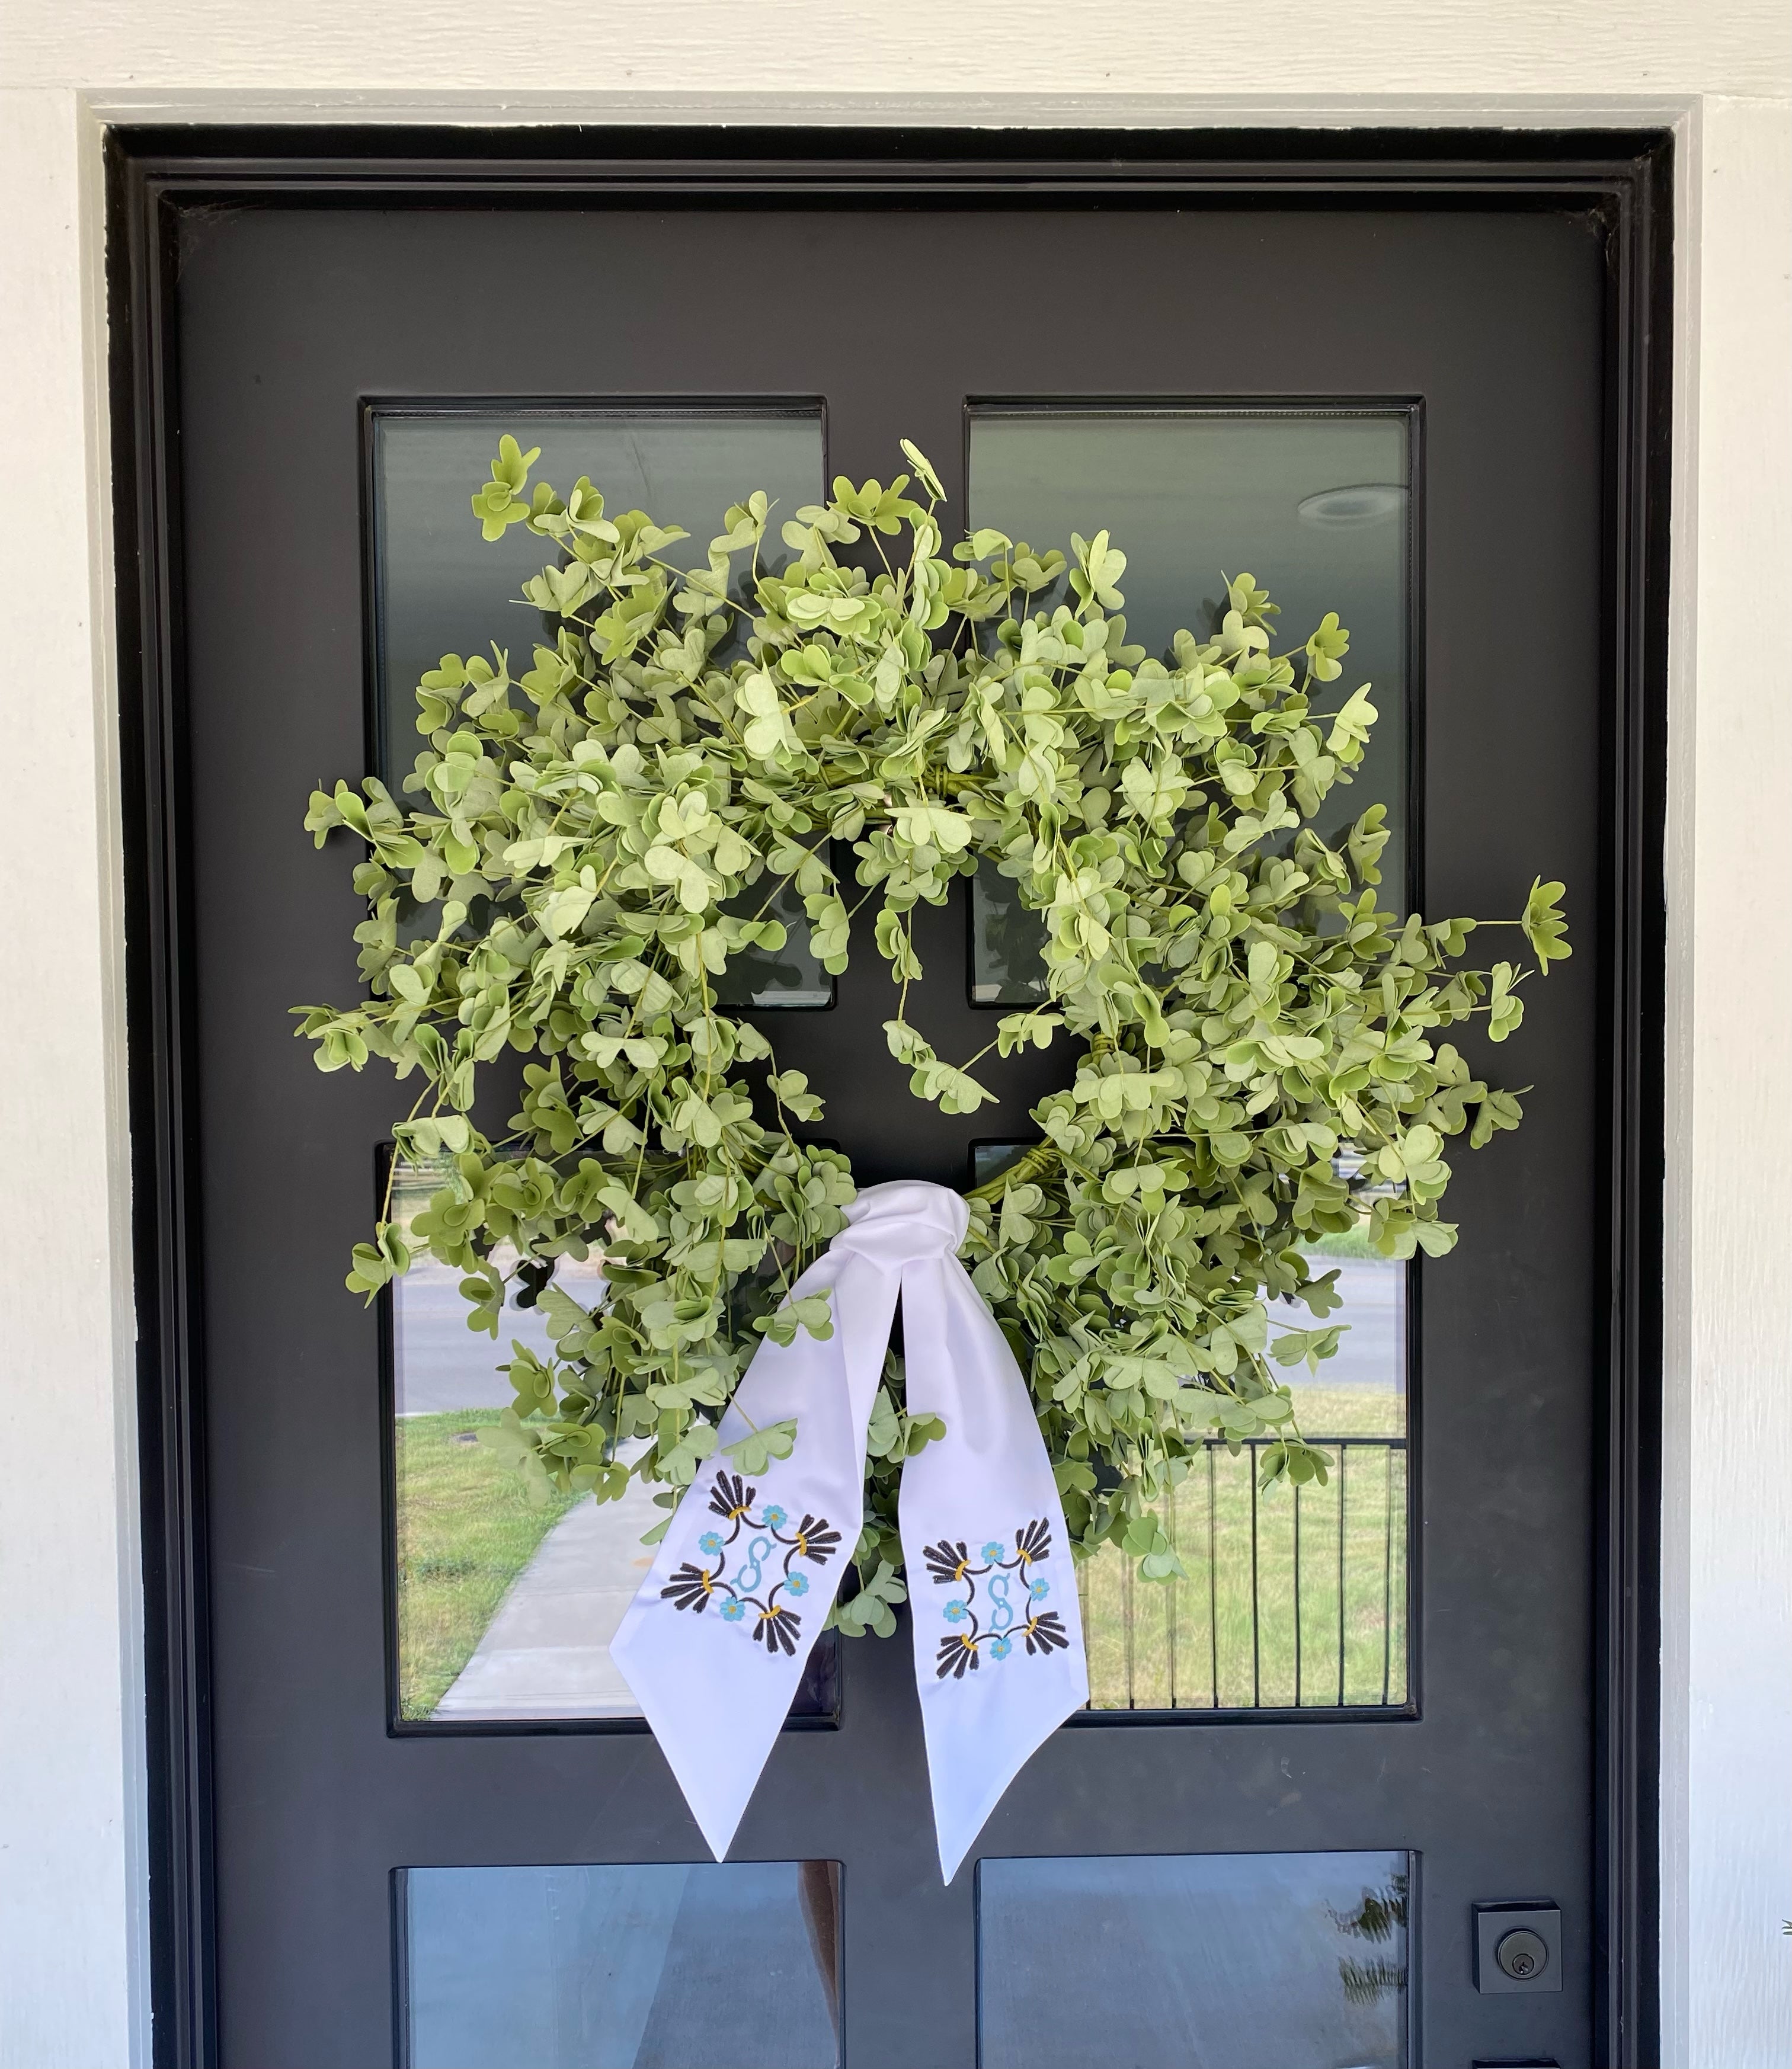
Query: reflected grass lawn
1196, 1644
466, 1529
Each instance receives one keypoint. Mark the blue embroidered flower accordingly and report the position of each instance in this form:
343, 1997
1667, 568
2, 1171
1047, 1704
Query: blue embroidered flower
993, 1552
1039, 1590
956, 1612
798, 1584
1000, 1648
709, 1544
776, 1518
732, 1612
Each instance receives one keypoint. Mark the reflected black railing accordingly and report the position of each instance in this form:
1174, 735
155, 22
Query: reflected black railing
1292, 1598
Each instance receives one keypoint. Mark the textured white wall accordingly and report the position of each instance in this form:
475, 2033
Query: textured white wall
71, 1895
71, 1910
804, 50
1726, 1513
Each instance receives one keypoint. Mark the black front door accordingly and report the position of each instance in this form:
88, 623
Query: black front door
1361, 1711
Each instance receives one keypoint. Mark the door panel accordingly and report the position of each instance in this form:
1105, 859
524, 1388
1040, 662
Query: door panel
1492, 322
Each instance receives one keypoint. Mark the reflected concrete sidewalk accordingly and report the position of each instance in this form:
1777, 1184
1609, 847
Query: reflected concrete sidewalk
546, 1653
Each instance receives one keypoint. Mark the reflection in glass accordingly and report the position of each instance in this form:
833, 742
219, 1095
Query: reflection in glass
790, 976
989, 1159
1292, 1598
1313, 502
505, 1609
657, 1967
1007, 943
1247, 1961
440, 587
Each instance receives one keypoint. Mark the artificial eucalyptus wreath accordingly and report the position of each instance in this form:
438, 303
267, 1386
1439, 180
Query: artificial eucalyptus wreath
594, 839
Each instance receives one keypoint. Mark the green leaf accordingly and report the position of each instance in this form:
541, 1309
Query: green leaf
498, 505
1505, 1008
873, 1607
1545, 925
811, 1313
1351, 728
754, 1452
928, 479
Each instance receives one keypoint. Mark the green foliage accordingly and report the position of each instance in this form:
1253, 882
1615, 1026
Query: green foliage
1255, 1060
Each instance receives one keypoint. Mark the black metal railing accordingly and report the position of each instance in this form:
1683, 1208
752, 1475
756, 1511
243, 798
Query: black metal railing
1294, 1598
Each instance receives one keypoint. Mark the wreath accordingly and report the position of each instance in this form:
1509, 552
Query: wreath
865, 718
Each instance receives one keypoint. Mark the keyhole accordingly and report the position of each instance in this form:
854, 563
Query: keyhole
1522, 1955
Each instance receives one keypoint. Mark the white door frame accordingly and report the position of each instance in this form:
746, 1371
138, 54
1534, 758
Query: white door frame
73, 1784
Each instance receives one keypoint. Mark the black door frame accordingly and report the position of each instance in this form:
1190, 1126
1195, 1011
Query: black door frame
156, 177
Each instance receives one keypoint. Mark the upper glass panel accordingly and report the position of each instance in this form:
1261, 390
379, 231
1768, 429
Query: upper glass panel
1247, 1961
729, 1967
441, 588
1314, 502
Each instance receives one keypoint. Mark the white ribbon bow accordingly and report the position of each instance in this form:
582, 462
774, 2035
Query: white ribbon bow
714, 1645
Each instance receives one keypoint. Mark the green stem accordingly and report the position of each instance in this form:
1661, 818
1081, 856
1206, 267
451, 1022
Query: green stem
1033, 1163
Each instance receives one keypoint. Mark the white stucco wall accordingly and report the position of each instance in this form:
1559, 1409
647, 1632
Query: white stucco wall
72, 1903
1727, 1506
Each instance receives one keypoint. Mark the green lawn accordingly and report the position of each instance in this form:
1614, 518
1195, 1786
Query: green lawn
1189, 1644
1333, 1411
466, 1530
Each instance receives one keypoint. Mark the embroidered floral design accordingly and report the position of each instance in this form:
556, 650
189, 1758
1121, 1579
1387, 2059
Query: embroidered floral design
990, 1612
762, 1542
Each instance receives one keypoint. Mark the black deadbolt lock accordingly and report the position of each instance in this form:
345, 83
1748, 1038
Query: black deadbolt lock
1517, 1947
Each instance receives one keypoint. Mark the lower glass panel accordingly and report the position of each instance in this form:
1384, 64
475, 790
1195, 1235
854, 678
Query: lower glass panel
1161, 1961
730, 1967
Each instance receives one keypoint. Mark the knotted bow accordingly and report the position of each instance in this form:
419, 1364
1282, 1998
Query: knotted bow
714, 1644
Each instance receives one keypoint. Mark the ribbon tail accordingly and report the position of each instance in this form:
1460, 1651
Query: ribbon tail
998, 1634
714, 1644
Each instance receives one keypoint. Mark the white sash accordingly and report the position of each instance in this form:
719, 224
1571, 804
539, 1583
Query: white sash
714, 1645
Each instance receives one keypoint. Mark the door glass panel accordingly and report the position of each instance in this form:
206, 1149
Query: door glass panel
790, 978
1251, 1961
1314, 502
440, 587
729, 1967
1297, 1598
1294, 1598
1007, 942
505, 1605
